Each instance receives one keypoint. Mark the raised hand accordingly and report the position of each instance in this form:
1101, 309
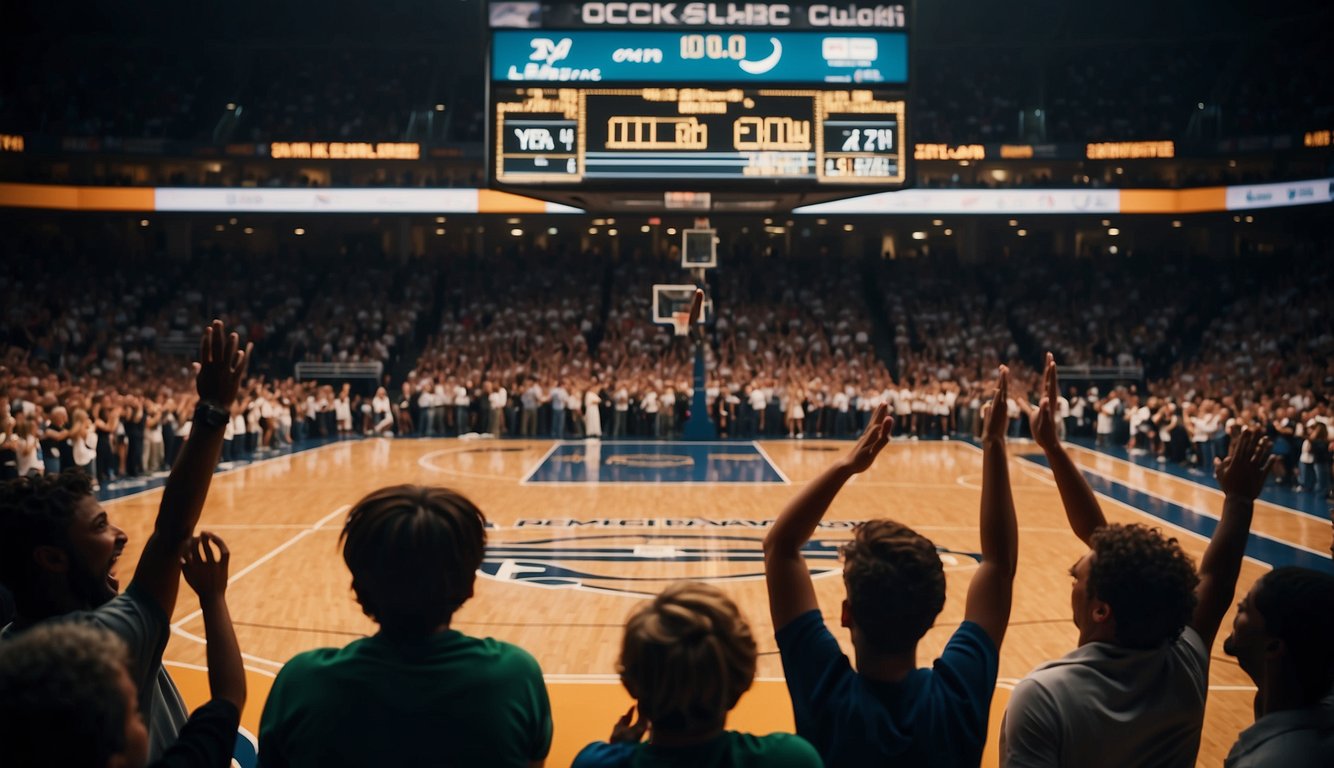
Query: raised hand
1242, 474
1042, 419
995, 414
875, 438
626, 733
206, 571
222, 364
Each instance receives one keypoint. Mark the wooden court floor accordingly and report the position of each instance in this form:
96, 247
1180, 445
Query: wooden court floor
567, 562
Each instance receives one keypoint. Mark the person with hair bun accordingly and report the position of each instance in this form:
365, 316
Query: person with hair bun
687, 657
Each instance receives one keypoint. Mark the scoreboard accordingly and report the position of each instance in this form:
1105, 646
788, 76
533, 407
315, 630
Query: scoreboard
573, 135
713, 104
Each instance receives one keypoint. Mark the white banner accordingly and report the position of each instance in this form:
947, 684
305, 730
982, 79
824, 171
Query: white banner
1280, 195
388, 200
997, 201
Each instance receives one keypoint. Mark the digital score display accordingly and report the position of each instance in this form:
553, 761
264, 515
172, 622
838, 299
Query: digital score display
575, 135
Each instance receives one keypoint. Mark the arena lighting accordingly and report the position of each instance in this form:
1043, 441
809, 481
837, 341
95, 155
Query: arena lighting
822, 222
1113, 250
440, 231
1022, 233
552, 231
611, 221
599, 222
512, 221
1113, 232
516, 232
143, 222
298, 231
613, 232
949, 232
1176, 224
1014, 222
847, 227
218, 228
232, 221
231, 107
645, 228
439, 107
767, 222
920, 235
592, 230
936, 222
1107, 222
439, 219
671, 230
249, 230
654, 221
1250, 219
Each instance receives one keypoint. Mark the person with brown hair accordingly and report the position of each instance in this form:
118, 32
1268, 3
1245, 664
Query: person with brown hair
417, 692
686, 658
887, 710
1133, 692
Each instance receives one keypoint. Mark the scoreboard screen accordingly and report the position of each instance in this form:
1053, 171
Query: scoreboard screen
575, 135
707, 95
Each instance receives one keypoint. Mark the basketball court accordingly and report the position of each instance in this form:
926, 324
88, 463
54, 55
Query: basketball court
581, 531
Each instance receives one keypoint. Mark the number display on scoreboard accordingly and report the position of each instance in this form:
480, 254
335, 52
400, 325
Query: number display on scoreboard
576, 135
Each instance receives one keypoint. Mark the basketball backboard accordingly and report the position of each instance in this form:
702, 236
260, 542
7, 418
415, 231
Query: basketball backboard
668, 299
699, 249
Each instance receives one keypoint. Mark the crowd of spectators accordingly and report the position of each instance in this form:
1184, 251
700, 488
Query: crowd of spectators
558, 342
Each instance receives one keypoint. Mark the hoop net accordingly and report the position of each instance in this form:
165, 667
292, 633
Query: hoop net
681, 323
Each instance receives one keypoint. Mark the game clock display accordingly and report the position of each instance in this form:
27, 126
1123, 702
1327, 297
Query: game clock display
574, 135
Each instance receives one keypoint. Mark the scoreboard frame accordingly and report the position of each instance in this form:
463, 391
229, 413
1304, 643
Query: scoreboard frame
753, 174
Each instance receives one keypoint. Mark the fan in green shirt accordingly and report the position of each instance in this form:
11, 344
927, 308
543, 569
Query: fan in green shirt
417, 693
686, 658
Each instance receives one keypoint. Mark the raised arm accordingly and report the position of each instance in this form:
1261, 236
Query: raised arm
1081, 506
206, 573
991, 590
219, 373
1241, 476
791, 592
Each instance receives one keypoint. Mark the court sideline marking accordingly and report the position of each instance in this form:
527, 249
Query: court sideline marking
176, 627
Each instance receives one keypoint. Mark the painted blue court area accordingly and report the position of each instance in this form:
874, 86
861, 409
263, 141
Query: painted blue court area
640, 462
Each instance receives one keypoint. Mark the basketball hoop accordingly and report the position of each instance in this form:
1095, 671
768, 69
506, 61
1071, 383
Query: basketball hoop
681, 323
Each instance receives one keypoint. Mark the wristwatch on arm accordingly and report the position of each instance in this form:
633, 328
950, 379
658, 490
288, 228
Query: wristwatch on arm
212, 414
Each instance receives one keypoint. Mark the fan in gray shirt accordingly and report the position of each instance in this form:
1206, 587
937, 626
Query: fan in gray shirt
1133, 692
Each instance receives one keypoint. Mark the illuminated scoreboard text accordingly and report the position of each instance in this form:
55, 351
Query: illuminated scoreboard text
575, 135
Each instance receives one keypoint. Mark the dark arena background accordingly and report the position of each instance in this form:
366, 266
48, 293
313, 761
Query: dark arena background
464, 237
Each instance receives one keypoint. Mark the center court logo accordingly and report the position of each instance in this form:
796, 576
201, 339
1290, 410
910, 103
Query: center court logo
638, 557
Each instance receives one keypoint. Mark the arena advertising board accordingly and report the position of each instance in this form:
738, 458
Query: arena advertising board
993, 201
1280, 195
528, 15
737, 58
